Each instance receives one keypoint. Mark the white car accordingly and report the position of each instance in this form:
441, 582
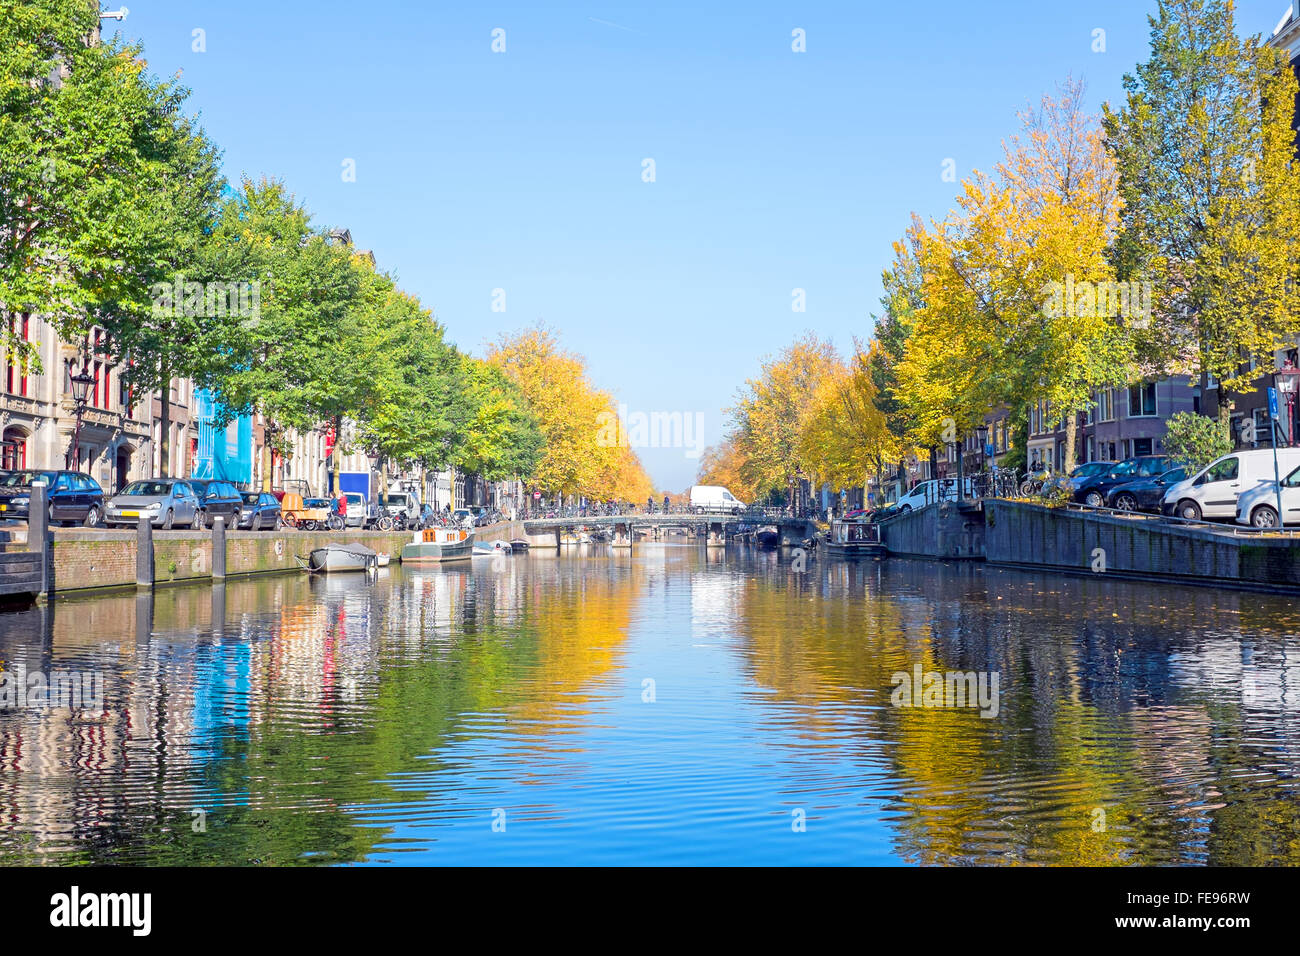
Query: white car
1258, 506
934, 489
705, 498
356, 509
1213, 491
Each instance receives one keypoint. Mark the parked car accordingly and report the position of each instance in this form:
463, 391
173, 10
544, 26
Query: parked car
1214, 490
1081, 474
931, 490
72, 496
217, 497
1144, 494
1258, 505
714, 498
463, 517
1093, 488
260, 509
166, 502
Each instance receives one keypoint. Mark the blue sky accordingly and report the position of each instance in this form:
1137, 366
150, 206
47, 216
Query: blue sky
522, 170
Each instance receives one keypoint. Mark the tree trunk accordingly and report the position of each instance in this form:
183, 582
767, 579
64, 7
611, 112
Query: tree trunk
165, 426
267, 461
1071, 437
338, 454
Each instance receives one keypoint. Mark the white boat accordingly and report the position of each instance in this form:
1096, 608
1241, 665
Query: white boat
492, 548
339, 557
438, 546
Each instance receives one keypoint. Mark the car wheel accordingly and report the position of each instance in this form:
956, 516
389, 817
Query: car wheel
1093, 499
1264, 517
167, 521
1189, 510
905, 509
93, 517
197, 523
1126, 503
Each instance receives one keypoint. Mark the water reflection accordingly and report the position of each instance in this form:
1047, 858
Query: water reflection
670, 705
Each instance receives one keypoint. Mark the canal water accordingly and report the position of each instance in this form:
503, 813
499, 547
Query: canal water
667, 706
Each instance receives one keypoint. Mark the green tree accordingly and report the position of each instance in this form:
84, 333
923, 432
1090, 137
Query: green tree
1211, 194
1194, 440
280, 363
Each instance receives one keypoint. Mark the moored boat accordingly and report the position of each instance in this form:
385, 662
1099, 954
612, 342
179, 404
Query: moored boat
849, 538
768, 536
339, 557
492, 548
438, 546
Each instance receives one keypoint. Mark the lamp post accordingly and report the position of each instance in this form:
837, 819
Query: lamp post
1287, 382
81, 382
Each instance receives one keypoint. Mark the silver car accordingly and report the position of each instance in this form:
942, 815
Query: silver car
166, 502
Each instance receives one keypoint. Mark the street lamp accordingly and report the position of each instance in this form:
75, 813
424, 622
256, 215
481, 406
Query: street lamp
81, 382
1287, 382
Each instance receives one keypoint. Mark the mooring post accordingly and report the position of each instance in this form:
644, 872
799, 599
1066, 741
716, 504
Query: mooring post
218, 548
144, 566
38, 536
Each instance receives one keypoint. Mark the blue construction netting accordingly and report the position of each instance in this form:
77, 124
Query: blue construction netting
225, 453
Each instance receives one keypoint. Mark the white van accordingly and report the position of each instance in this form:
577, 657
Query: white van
935, 489
714, 498
1213, 491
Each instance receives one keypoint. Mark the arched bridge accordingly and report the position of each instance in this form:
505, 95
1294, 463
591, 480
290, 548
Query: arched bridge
717, 526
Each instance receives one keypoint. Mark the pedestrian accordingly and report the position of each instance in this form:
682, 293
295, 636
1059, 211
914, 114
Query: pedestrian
665, 504
342, 507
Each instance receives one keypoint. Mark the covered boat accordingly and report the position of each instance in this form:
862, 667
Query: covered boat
492, 548
438, 546
854, 538
340, 557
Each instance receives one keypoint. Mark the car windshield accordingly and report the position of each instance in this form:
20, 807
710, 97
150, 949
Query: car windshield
1178, 474
1124, 468
21, 479
1090, 469
147, 488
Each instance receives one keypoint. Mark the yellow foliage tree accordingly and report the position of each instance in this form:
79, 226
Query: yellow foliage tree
845, 437
1019, 302
572, 415
771, 411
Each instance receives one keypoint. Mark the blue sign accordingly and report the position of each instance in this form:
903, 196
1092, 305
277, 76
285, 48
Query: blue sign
1272, 403
988, 449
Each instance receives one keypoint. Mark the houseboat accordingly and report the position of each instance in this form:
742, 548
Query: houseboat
850, 537
439, 546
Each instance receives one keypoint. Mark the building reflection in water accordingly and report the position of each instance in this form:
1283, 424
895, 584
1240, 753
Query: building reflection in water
290, 712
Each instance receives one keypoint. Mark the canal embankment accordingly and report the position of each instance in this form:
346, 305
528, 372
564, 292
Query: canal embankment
82, 559
1137, 546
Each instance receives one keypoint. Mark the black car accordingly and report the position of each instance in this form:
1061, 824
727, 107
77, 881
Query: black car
217, 497
1144, 494
72, 496
261, 510
1093, 489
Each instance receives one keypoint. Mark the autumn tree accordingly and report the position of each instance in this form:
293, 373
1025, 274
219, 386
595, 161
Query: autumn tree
846, 438
724, 464
1015, 286
1211, 191
771, 410
571, 414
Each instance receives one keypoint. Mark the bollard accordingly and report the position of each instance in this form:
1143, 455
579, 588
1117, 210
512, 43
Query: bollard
144, 570
218, 548
38, 535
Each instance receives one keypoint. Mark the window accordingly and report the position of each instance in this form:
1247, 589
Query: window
1142, 400
1106, 406
1224, 470
1141, 446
